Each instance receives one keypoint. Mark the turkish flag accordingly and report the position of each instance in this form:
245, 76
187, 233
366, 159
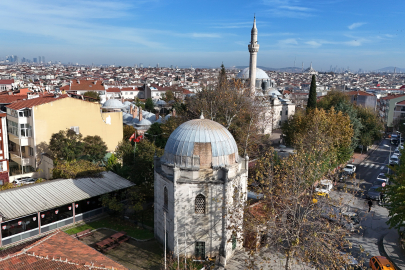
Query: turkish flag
132, 137
139, 138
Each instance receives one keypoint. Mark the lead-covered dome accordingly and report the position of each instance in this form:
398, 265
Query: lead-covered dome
201, 143
260, 74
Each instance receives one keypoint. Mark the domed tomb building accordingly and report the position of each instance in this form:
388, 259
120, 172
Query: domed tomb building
200, 182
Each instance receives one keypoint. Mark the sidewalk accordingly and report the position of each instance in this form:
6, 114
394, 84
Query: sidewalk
393, 249
358, 158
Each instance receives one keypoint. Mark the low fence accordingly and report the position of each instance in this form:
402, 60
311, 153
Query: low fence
49, 227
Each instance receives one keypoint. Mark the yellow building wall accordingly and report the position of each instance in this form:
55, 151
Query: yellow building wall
65, 113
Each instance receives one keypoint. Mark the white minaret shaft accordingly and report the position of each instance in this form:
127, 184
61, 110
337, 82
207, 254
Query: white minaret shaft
253, 49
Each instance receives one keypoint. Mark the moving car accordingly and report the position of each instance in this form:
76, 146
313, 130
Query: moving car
394, 160
373, 193
383, 177
350, 168
380, 183
324, 187
381, 263
385, 170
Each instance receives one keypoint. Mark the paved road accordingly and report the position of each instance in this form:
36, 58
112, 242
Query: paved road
368, 242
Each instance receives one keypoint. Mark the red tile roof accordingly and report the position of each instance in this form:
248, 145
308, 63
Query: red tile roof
359, 93
6, 81
391, 97
58, 251
7, 99
113, 90
401, 103
84, 85
29, 103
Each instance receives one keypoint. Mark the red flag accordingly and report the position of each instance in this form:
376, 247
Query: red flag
132, 137
139, 138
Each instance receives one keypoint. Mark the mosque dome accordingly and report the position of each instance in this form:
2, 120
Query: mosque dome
260, 74
113, 104
201, 143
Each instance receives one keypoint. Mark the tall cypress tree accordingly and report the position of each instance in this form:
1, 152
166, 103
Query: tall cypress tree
222, 79
312, 95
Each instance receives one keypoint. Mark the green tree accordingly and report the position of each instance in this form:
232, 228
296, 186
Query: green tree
395, 194
94, 148
76, 169
168, 96
222, 78
331, 129
128, 131
66, 145
293, 223
149, 105
92, 94
372, 126
312, 94
139, 103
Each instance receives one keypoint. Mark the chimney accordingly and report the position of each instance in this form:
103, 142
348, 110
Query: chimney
140, 114
135, 112
122, 99
157, 115
174, 112
130, 109
78, 81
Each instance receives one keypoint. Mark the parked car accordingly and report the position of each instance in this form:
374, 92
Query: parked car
394, 160
373, 193
324, 187
383, 177
350, 168
381, 263
24, 180
397, 152
400, 147
380, 183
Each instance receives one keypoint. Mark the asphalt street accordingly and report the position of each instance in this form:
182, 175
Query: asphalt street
368, 242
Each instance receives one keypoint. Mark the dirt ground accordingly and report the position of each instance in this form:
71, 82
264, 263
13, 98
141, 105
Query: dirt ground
131, 254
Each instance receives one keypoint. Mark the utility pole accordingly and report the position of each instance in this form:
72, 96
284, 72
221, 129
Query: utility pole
165, 237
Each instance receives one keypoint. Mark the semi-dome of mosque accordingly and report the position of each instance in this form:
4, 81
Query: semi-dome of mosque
260, 74
201, 143
113, 104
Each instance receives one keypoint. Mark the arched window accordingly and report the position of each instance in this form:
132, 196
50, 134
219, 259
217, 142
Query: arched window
200, 204
166, 199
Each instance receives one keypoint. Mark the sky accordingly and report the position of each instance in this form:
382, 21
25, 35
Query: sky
344, 33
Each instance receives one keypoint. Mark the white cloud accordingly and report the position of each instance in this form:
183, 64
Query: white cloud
355, 25
288, 41
288, 8
314, 43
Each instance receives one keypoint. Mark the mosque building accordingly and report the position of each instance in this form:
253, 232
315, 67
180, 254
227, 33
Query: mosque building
200, 188
275, 108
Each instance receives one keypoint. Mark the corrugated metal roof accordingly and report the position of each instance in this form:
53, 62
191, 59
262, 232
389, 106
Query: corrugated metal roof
22, 201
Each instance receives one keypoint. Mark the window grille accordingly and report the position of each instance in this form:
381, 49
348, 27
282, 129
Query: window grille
75, 129
200, 250
166, 198
200, 204
234, 240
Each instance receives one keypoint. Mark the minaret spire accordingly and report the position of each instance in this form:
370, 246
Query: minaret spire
253, 49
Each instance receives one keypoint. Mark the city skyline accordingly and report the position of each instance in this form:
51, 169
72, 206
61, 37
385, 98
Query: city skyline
363, 34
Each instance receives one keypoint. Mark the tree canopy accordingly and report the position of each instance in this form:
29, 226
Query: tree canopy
67, 145
149, 105
92, 94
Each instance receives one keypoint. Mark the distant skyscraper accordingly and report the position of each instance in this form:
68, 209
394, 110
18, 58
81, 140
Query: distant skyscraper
34, 60
141, 65
253, 49
171, 66
157, 65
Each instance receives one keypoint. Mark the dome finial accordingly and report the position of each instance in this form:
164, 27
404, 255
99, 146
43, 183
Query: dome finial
202, 115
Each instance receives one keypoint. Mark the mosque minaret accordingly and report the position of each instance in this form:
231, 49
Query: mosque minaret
253, 49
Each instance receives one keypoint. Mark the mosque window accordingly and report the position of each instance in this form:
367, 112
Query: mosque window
200, 250
166, 199
200, 204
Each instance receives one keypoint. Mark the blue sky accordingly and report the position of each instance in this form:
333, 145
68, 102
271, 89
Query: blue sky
355, 33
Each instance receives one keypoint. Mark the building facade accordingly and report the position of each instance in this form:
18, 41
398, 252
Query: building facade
32, 122
200, 188
4, 168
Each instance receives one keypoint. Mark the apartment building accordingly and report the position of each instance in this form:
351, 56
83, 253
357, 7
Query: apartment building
3, 150
32, 122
